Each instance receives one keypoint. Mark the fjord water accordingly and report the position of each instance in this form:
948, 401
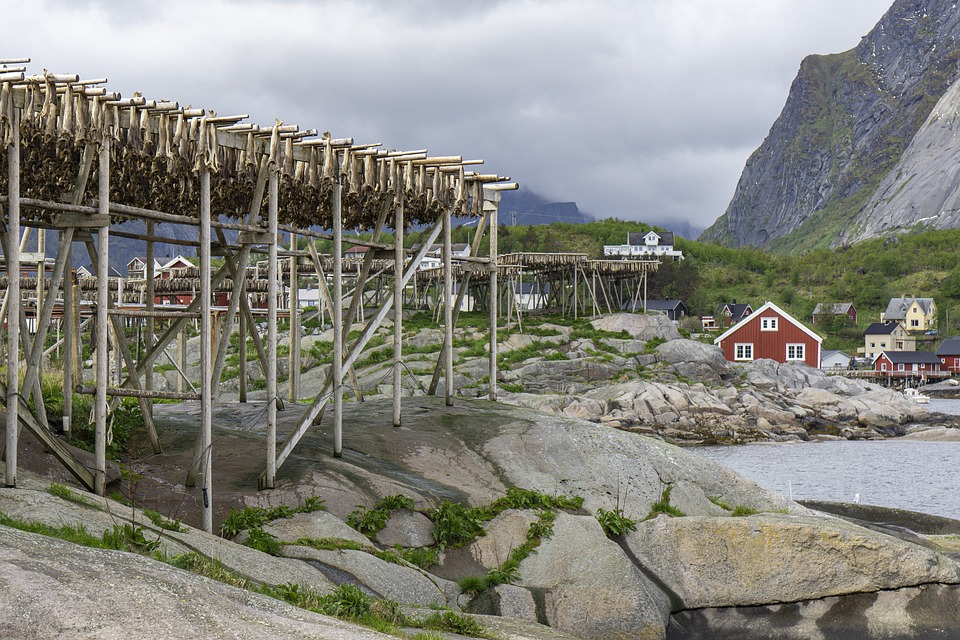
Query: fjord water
904, 474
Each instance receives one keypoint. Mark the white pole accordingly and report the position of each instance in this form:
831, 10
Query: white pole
272, 200
13, 307
103, 361
398, 311
206, 390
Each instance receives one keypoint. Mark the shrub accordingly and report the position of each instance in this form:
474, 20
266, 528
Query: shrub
614, 523
663, 506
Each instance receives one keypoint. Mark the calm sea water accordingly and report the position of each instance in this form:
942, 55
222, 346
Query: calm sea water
920, 476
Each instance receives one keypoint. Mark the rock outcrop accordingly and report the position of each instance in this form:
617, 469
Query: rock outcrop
702, 574
846, 125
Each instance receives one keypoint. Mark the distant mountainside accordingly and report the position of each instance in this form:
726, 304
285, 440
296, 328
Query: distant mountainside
525, 207
865, 145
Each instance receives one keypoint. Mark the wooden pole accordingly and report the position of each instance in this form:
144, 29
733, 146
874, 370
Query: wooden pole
337, 366
151, 328
398, 257
103, 265
447, 310
12, 252
294, 317
206, 396
69, 339
242, 345
273, 192
494, 232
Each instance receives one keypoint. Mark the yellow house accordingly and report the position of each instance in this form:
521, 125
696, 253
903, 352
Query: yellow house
887, 336
915, 314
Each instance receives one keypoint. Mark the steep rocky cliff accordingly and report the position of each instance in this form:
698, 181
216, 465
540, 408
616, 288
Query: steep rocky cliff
841, 149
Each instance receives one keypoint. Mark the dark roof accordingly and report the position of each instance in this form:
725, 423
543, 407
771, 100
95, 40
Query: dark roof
664, 305
897, 307
911, 357
835, 308
738, 311
949, 347
636, 237
880, 328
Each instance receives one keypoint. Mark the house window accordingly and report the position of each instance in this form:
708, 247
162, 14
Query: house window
873, 344
899, 367
795, 352
743, 351
914, 322
883, 366
768, 324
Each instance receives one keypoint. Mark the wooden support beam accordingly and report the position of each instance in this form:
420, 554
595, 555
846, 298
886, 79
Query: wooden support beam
12, 251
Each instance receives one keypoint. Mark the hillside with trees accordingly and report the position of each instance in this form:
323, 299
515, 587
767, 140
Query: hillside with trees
868, 273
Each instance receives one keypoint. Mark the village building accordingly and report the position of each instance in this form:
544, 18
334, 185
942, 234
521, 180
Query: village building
530, 295
906, 363
732, 313
915, 314
650, 244
887, 336
673, 309
770, 332
825, 311
949, 354
835, 360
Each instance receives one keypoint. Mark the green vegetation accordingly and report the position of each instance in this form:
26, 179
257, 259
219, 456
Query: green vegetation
65, 492
370, 521
663, 506
255, 517
164, 523
614, 523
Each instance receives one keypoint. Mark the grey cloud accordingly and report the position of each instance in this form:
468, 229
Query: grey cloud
635, 109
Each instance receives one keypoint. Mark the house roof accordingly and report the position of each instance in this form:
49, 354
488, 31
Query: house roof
737, 311
756, 314
897, 307
909, 357
881, 328
654, 305
637, 237
831, 354
834, 308
949, 347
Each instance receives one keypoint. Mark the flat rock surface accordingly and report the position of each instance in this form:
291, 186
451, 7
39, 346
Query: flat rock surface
55, 589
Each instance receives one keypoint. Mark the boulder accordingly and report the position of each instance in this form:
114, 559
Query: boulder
770, 558
503, 534
640, 326
57, 589
402, 583
315, 525
407, 529
506, 600
927, 611
589, 587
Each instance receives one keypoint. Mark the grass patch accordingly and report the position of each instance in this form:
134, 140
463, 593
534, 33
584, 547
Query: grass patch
663, 506
66, 493
162, 522
255, 517
370, 521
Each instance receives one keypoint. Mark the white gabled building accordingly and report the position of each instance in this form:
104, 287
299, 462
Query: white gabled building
652, 244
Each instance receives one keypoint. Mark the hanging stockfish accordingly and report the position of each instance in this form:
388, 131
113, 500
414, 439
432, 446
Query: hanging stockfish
67, 123
82, 128
6, 116
48, 114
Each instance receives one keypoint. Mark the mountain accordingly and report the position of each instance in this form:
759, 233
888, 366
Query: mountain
864, 145
526, 207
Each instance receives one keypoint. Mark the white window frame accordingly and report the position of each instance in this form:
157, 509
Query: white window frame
883, 366
800, 352
743, 348
768, 324
914, 322
900, 367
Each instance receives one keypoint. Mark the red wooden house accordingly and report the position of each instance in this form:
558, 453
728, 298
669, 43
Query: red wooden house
949, 354
906, 363
770, 332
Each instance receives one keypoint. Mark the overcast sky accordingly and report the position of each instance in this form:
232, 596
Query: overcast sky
636, 109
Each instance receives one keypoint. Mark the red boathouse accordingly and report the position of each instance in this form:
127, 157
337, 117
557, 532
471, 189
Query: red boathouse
770, 332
